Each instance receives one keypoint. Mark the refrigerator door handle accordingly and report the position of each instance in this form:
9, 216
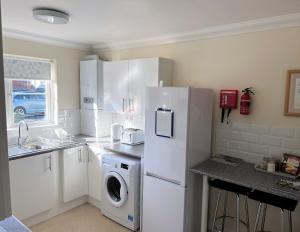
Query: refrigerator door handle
163, 178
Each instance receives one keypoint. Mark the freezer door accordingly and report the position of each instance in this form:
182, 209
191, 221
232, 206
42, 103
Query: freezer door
163, 206
165, 154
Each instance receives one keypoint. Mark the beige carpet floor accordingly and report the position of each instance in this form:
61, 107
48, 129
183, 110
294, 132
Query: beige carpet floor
85, 218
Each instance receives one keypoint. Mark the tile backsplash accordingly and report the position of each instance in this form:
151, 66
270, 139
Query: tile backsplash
76, 121
68, 119
252, 142
97, 122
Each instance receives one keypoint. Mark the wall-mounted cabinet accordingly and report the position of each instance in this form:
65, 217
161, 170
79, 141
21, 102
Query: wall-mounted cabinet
115, 85
32, 185
119, 86
125, 82
91, 84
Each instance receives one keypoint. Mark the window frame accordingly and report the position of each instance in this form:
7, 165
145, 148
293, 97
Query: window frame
51, 99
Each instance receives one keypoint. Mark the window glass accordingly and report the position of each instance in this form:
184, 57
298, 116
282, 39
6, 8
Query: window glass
29, 100
28, 90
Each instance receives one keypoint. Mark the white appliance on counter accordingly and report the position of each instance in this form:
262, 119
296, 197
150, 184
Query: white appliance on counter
132, 136
177, 137
115, 132
121, 189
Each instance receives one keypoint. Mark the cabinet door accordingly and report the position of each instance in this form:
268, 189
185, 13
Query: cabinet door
142, 73
74, 173
115, 86
32, 185
88, 84
95, 173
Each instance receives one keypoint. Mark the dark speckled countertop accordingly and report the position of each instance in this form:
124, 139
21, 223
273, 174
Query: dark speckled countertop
245, 175
136, 151
77, 140
15, 153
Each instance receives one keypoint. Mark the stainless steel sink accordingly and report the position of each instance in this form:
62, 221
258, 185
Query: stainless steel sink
29, 147
15, 150
33, 146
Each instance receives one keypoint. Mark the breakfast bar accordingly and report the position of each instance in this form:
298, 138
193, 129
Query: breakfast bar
246, 176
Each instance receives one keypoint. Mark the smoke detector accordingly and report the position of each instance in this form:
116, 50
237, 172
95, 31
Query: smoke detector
50, 16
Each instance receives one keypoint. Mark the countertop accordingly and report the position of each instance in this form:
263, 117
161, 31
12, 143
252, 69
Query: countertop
13, 224
136, 151
245, 175
78, 140
15, 153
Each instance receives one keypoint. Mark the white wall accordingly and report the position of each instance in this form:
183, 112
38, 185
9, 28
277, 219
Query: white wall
67, 62
67, 76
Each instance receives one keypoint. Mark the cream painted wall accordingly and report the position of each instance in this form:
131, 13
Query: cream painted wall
67, 63
257, 59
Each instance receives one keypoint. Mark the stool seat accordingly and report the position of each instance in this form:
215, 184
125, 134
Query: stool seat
224, 185
271, 199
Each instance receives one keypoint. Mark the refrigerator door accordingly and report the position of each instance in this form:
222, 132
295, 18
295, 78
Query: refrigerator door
165, 156
163, 206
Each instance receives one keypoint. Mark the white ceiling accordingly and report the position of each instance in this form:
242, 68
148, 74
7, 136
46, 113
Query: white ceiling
112, 21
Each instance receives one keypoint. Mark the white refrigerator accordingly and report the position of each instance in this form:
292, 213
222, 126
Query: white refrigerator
177, 137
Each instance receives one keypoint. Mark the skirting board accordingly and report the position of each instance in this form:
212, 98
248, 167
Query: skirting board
56, 210
94, 202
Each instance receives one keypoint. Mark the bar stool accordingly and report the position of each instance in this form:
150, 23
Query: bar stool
265, 199
226, 187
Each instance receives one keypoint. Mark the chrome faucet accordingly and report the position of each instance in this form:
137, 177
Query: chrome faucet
19, 138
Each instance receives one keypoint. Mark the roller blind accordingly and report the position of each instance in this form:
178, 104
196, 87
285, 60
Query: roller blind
15, 68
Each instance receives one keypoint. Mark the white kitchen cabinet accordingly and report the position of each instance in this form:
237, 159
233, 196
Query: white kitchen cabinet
115, 86
95, 172
125, 82
91, 84
74, 173
32, 185
146, 73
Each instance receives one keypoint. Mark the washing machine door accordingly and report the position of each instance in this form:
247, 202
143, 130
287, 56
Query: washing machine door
115, 189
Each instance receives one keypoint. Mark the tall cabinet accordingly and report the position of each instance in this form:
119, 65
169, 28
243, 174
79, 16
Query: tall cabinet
124, 82
91, 84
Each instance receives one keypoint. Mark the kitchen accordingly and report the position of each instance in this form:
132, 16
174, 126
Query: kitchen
93, 86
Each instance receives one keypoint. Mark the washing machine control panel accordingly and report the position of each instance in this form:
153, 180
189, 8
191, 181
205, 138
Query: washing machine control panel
124, 166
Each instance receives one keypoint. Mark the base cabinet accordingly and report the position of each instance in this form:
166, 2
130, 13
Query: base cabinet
95, 172
32, 185
74, 173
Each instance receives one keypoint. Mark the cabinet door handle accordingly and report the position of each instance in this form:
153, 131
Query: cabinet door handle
129, 104
132, 105
79, 156
50, 163
123, 104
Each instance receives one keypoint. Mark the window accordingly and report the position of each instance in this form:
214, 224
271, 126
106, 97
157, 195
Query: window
28, 88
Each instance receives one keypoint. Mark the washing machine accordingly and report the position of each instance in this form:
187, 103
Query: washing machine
121, 189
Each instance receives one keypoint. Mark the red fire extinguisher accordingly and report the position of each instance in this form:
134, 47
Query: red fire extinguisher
246, 101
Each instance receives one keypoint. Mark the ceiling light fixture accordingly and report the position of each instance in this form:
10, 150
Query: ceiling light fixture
50, 16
